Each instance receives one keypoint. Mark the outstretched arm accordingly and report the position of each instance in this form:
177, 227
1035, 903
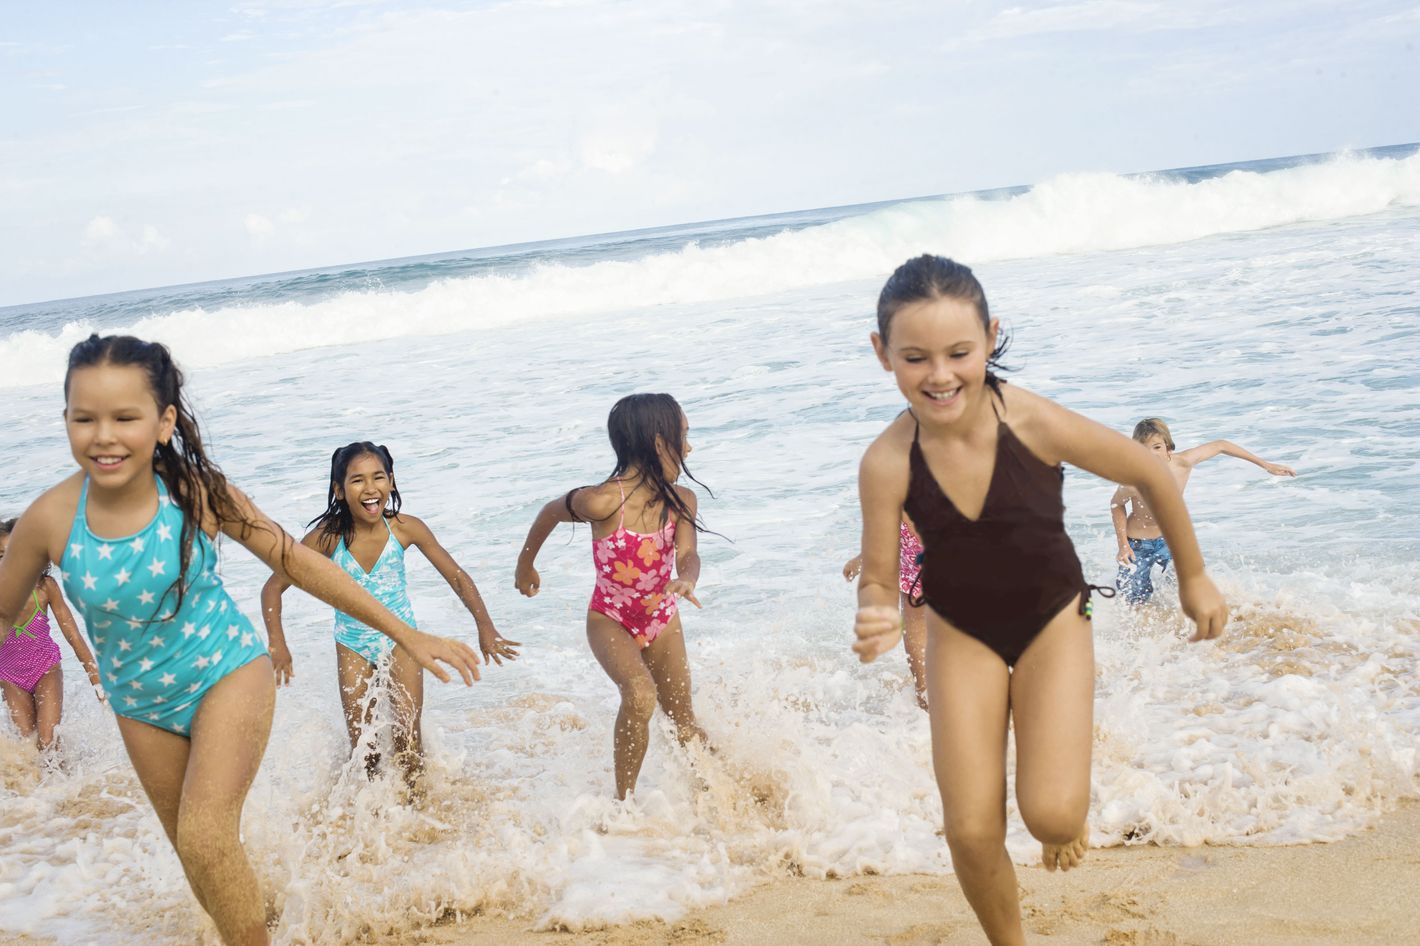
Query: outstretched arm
70, 629
687, 553
495, 647
1113, 456
271, 593
318, 576
1196, 455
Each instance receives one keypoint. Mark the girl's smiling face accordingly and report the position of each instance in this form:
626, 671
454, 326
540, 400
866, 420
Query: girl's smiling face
114, 423
937, 349
366, 489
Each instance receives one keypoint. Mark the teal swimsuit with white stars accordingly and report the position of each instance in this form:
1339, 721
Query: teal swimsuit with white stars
157, 662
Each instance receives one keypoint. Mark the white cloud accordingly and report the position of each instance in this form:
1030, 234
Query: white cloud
105, 234
101, 229
259, 227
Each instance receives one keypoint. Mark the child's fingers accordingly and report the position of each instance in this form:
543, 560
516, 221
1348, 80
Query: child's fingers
690, 596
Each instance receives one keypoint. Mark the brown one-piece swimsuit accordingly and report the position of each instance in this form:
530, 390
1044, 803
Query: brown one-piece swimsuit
1002, 576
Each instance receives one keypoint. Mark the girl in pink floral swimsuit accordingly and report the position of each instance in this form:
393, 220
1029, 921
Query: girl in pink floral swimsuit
31, 677
914, 620
644, 528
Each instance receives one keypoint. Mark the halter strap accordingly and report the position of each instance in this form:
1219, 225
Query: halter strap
621, 519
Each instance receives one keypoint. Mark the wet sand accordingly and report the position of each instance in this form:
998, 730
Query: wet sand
1355, 892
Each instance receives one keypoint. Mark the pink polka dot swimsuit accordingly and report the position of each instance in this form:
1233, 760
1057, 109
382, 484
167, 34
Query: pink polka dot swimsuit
633, 569
27, 652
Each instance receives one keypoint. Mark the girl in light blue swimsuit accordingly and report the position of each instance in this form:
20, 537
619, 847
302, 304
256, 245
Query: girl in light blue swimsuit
362, 523
189, 678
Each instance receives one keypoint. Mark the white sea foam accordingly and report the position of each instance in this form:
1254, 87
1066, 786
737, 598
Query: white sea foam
1073, 213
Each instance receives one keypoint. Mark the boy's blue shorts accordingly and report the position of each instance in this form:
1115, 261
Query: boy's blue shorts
1136, 581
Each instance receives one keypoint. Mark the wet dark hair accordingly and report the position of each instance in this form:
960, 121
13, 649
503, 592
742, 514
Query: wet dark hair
633, 425
195, 484
6, 528
337, 520
929, 277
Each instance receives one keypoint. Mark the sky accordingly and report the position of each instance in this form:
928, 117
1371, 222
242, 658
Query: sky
147, 144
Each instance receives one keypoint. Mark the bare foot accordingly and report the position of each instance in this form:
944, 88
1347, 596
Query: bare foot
1066, 856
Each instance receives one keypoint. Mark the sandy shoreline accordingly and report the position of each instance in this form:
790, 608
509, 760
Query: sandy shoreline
1355, 892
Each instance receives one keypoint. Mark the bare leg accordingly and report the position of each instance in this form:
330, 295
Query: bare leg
1052, 704
620, 656
914, 639
670, 668
356, 675
198, 787
407, 695
49, 705
21, 704
968, 688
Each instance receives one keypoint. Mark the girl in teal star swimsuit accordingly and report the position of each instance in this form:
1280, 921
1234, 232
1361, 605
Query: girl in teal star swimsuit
133, 533
363, 531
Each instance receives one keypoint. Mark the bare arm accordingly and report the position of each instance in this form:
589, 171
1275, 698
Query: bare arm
70, 629
687, 553
1106, 453
321, 578
581, 504
1196, 455
882, 490
1120, 518
24, 561
271, 593
494, 646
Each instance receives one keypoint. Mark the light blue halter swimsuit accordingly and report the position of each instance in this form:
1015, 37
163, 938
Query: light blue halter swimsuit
157, 661
386, 584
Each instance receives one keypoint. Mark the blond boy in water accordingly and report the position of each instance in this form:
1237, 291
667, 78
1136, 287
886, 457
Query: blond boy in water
1141, 544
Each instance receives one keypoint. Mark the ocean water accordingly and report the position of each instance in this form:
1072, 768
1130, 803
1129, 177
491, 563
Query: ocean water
1272, 303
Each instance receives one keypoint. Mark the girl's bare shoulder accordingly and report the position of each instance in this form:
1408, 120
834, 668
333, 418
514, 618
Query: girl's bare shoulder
596, 502
888, 454
57, 505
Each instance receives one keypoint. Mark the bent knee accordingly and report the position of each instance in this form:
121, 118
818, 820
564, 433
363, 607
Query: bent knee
1055, 823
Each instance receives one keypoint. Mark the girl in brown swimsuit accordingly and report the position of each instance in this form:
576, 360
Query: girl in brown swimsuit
976, 466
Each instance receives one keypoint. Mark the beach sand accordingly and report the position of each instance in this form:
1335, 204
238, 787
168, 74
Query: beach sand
1356, 892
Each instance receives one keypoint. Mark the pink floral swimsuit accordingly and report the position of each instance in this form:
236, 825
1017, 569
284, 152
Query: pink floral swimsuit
633, 569
909, 562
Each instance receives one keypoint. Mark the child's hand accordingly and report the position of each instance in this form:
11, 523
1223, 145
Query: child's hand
427, 650
680, 588
1277, 469
527, 580
1203, 602
495, 646
852, 568
1125, 556
281, 662
878, 628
